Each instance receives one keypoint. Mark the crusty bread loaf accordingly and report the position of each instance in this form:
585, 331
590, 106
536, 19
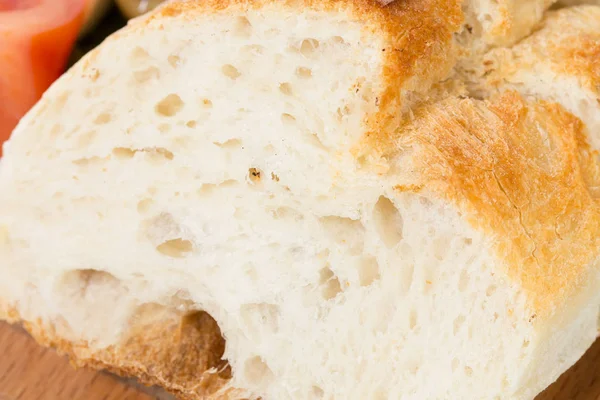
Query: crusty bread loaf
308, 199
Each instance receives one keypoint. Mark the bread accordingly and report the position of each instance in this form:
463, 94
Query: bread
558, 63
502, 22
314, 200
576, 2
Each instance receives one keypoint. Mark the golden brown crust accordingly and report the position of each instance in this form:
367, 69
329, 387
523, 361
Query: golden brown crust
517, 171
568, 43
183, 354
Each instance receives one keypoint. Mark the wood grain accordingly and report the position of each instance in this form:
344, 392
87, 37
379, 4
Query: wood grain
31, 372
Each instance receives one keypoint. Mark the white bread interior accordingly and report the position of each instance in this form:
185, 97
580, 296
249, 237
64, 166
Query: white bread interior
227, 160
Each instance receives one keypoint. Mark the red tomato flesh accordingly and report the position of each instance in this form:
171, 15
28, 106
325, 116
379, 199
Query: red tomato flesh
36, 38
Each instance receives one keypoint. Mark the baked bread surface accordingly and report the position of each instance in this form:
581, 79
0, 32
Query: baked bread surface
316, 199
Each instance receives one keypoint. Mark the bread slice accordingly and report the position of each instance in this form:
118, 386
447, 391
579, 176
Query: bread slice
296, 200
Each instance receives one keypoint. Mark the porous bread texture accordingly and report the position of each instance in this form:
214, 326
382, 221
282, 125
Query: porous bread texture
305, 173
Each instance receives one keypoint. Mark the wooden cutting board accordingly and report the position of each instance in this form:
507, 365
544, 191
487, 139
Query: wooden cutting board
31, 372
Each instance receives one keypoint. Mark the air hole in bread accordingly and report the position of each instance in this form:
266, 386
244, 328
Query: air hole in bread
261, 318
303, 72
145, 75
285, 88
288, 119
317, 392
230, 71
342, 112
206, 103
168, 236
174, 60
338, 40
158, 154
139, 55
308, 47
123, 153
257, 372
243, 27
169, 106
230, 144
330, 284
176, 248
103, 118
87, 284
368, 270
468, 371
388, 222
490, 290
458, 323
58, 104
254, 175
55, 131
144, 206
89, 161
208, 188
86, 139
191, 124
154, 154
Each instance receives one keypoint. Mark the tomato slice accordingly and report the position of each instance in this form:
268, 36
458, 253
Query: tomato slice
36, 38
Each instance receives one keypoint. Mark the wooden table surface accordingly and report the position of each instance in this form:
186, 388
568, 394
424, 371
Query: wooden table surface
31, 372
